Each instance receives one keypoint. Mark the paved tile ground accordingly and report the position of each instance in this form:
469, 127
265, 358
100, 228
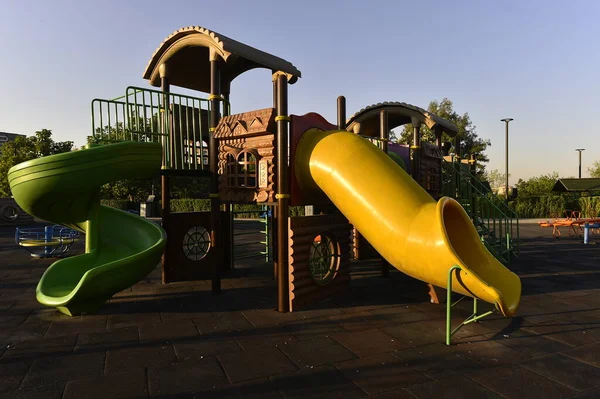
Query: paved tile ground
382, 338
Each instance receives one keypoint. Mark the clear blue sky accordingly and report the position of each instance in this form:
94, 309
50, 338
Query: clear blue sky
535, 61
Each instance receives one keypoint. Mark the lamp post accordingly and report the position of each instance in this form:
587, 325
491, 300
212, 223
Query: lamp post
580, 151
506, 121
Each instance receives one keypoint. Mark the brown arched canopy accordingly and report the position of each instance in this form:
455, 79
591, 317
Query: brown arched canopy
366, 121
187, 53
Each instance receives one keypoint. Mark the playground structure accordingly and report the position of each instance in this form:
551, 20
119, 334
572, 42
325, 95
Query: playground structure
575, 224
47, 241
404, 217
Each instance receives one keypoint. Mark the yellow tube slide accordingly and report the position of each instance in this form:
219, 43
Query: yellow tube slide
417, 235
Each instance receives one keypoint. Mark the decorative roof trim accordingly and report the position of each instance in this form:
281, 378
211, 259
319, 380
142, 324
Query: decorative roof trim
408, 110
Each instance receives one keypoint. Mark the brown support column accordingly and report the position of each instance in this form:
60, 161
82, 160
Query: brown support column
283, 193
457, 148
273, 226
215, 96
416, 151
165, 178
341, 112
384, 135
438, 136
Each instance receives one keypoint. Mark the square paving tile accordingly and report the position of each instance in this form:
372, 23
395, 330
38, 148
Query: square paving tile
452, 388
436, 361
77, 325
318, 382
397, 394
55, 369
416, 334
252, 339
123, 359
380, 373
529, 343
167, 332
318, 311
116, 321
33, 328
313, 328
316, 352
52, 391
204, 347
257, 363
567, 371
212, 324
517, 382
268, 317
586, 353
490, 353
128, 384
40, 347
591, 394
12, 373
188, 376
568, 333
111, 339
260, 388
367, 320
369, 342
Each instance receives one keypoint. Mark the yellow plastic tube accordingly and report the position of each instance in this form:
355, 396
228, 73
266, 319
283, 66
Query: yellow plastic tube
417, 235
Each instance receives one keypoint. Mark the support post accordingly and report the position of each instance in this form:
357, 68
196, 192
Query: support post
215, 96
457, 148
165, 87
384, 135
438, 136
283, 196
416, 151
227, 208
341, 113
475, 317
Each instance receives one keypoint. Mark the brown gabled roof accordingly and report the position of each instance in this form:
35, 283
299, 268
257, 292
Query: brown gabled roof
186, 52
577, 185
398, 114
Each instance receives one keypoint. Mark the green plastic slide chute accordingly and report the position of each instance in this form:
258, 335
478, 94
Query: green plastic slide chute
120, 248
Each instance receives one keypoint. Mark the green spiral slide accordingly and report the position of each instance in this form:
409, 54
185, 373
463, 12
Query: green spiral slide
120, 248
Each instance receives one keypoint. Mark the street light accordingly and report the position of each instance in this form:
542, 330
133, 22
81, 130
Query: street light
506, 120
580, 151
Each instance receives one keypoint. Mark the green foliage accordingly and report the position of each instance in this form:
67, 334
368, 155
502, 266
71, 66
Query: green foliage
536, 199
26, 148
590, 206
190, 205
537, 186
540, 207
595, 170
203, 205
495, 178
471, 143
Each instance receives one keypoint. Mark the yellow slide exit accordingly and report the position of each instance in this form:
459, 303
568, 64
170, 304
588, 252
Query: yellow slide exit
417, 235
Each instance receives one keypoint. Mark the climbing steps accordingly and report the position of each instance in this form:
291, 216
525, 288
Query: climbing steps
496, 223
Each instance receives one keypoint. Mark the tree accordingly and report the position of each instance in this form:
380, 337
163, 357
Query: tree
495, 178
471, 143
26, 148
595, 170
537, 186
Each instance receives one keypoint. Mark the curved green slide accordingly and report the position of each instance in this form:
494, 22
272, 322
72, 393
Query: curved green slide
120, 248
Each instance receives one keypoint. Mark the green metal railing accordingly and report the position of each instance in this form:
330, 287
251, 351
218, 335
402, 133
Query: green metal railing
264, 218
497, 224
179, 122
